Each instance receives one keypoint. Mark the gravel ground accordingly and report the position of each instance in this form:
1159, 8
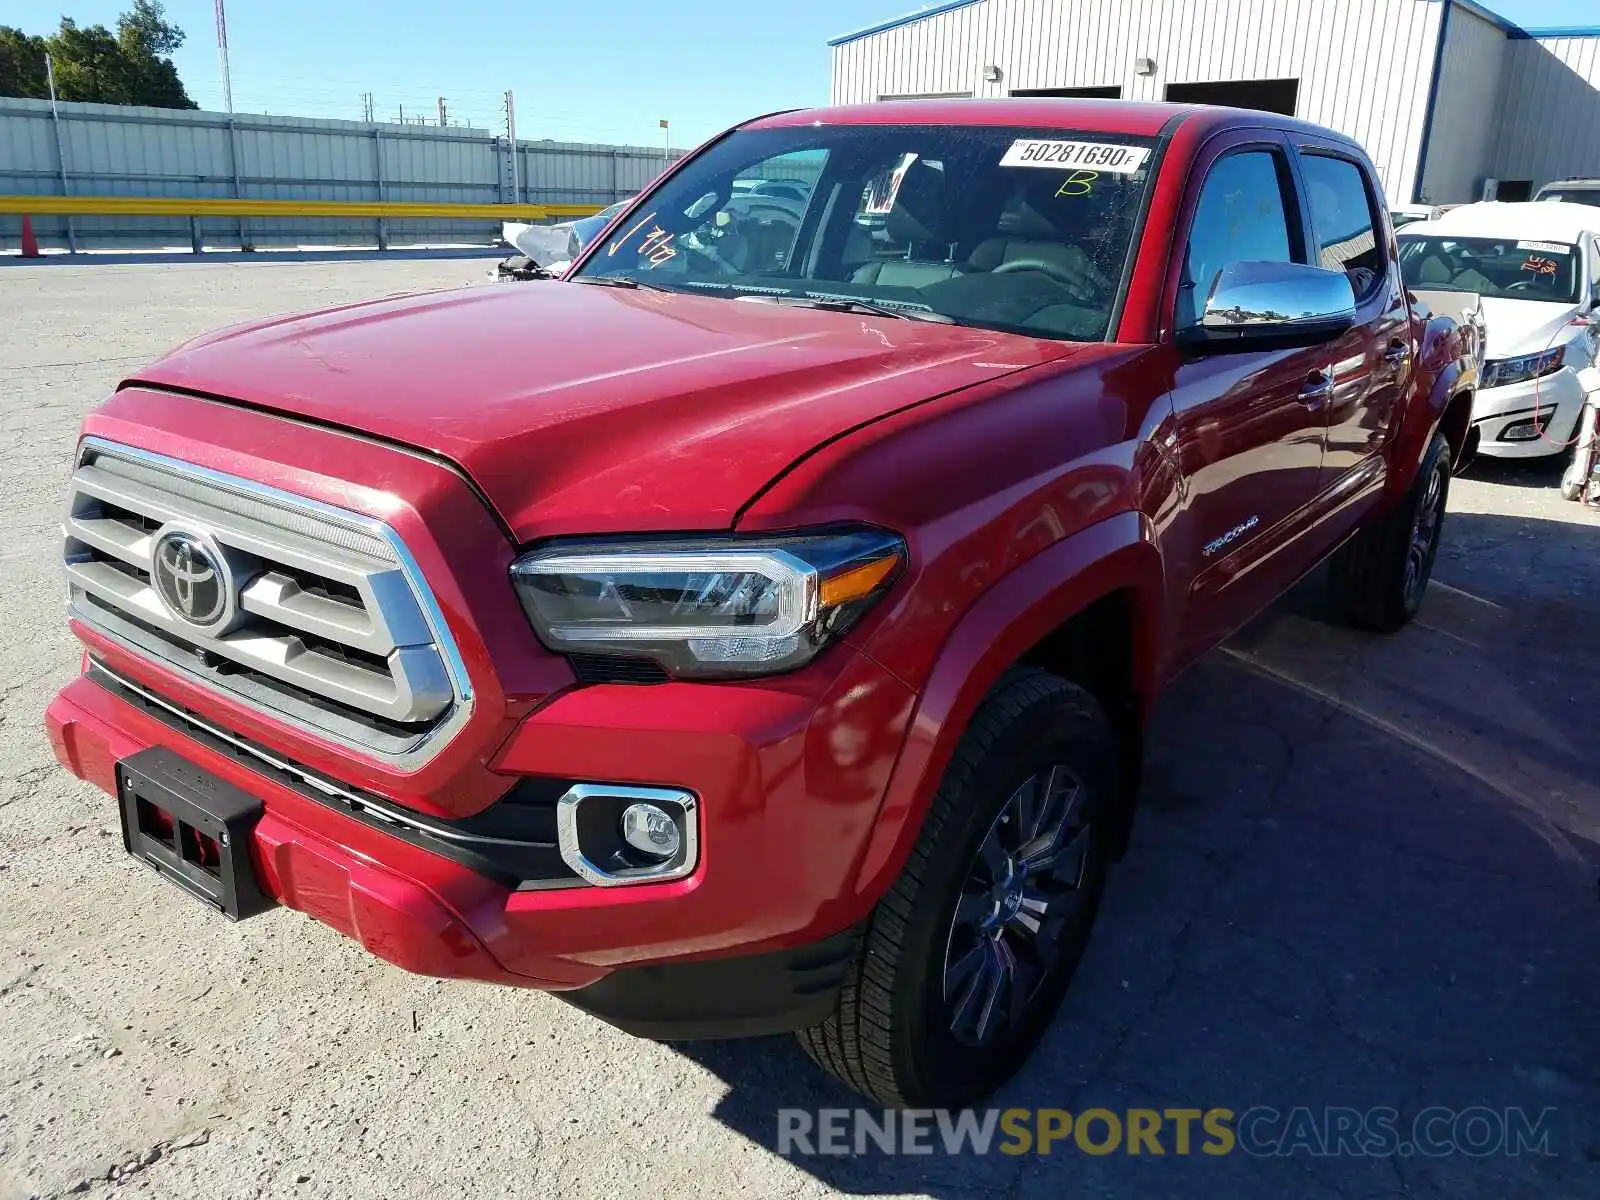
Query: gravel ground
1364, 876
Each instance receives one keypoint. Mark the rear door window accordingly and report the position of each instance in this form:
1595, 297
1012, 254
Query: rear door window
1342, 215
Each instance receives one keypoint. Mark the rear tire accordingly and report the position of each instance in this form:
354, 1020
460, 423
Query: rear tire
966, 959
1378, 578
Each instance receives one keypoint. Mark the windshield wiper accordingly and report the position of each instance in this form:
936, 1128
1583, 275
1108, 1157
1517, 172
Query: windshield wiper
620, 281
851, 304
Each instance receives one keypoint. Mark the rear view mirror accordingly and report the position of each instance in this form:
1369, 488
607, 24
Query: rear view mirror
1259, 305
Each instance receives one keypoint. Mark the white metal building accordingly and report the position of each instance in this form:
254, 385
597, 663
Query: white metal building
1445, 94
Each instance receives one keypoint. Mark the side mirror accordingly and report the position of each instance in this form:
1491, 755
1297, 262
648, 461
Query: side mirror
1265, 305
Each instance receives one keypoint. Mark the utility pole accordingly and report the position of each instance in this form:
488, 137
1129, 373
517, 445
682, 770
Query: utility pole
367, 113
61, 147
444, 114
511, 133
222, 57
666, 140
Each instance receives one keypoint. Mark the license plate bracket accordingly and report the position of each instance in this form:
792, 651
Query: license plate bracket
193, 829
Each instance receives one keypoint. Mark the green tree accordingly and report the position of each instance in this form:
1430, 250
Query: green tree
21, 64
148, 41
132, 66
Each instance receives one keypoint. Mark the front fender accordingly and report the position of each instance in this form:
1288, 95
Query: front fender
1010, 618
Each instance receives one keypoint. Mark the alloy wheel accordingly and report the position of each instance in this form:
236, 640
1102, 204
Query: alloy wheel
1424, 536
1021, 907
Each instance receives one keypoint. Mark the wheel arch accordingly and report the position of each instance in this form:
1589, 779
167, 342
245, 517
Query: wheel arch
1456, 423
1448, 400
1092, 604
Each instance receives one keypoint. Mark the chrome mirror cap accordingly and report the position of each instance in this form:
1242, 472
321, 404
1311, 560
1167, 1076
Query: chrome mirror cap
1274, 297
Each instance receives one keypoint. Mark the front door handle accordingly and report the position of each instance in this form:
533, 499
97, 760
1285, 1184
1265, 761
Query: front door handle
1317, 389
1398, 354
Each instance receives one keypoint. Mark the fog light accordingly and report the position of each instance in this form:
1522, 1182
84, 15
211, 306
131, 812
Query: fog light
650, 830
616, 834
1523, 431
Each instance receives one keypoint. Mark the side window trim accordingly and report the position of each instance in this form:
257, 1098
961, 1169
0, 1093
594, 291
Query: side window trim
1296, 217
1375, 211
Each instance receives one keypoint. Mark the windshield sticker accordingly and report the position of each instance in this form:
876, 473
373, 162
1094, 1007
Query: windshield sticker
1102, 156
1543, 247
1541, 266
883, 191
1079, 183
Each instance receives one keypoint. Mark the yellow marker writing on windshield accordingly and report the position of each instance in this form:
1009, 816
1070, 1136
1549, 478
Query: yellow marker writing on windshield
1079, 183
622, 241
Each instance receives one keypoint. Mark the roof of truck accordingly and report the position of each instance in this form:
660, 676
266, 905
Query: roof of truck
1133, 118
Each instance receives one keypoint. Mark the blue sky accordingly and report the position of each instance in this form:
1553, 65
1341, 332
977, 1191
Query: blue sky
606, 70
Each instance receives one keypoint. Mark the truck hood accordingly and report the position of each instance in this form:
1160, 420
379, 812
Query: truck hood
582, 408
1519, 327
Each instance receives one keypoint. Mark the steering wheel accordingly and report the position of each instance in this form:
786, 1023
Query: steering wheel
1522, 285
1051, 270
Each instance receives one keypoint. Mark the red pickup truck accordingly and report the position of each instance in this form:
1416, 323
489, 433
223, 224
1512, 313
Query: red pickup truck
754, 630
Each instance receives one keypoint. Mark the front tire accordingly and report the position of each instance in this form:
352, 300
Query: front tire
966, 959
1378, 578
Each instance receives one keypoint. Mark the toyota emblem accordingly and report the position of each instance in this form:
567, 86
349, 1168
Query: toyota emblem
191, 578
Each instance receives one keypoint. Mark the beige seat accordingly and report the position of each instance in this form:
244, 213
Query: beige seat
1433, 270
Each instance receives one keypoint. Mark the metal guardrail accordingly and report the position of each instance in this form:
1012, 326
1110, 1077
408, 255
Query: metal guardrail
194, 208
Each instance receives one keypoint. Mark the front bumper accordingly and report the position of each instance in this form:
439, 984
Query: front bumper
789, 774
1554, 402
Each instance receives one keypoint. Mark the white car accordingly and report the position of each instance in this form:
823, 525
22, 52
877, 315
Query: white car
1537, 269
1572, 191
551, 245
1409, 214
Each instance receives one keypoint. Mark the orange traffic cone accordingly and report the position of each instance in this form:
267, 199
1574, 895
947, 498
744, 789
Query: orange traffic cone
30, 244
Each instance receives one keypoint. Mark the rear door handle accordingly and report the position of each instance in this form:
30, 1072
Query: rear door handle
1317, 389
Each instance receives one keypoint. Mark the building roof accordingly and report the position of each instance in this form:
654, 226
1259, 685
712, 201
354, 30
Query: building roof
1512, 29
1547, 220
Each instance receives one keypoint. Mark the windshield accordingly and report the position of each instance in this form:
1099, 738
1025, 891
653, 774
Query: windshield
1499, 268
1590, 196
998, 228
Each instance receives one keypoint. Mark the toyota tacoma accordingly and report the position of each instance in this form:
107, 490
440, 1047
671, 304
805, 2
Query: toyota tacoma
755, 629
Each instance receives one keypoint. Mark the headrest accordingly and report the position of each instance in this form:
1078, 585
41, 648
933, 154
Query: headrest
921, 206
1036, 212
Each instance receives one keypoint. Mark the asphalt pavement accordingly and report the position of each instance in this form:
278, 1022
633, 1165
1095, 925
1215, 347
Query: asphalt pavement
1364, 878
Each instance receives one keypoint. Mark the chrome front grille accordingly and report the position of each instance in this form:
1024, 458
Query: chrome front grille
326, 622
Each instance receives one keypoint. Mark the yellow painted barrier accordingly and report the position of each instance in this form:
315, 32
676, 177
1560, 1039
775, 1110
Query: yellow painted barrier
188, 206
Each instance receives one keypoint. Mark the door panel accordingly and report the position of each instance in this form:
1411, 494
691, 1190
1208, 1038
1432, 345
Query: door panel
1248, 428
1372, 363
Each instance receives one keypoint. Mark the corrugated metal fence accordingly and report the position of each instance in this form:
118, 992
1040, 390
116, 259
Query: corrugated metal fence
110, 150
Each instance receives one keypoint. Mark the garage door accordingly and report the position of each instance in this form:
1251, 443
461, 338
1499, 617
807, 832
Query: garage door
1079, 93
1268, 95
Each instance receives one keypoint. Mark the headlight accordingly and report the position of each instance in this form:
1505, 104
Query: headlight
707, 607
1504, 371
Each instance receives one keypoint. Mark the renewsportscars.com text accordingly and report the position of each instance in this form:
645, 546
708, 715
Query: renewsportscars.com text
1260, 1131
